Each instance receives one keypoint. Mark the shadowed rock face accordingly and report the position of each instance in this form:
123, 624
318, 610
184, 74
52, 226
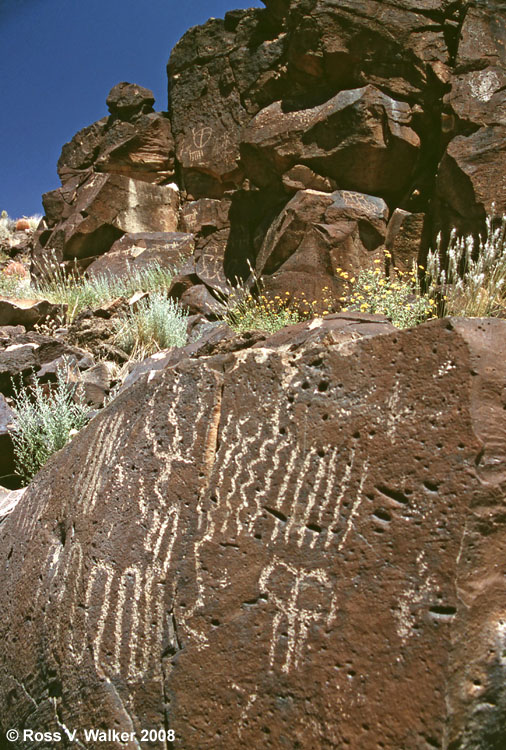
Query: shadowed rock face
297, 546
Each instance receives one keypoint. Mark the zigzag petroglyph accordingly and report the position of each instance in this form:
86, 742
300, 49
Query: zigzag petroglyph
240, 491
120, 611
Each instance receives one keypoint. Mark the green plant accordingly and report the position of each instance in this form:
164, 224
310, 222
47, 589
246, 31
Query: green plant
44, 422
14, 284
251, 313
398, 297
79, 293
469, 279
157, 323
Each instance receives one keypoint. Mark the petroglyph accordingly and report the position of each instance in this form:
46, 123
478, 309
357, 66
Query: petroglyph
309, 599
484, 84
361, 202
201, 136
411, 598
120, 611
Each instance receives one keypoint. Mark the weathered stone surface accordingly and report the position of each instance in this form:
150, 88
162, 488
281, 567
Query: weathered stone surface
301, 177
8, 500
107, 206
471, 173
206, 214
29, 353
470, 177
198, 299
79, 154
361, 138
218, 73
314, 235
210, 260
128, 99
95, 384
400, 47
404, 237
250, 559
136, 251
143, 150
28, 312
7, 423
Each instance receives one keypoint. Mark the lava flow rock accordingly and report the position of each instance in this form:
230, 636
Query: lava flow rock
303, 541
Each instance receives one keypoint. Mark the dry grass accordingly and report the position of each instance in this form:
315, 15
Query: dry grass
469, 279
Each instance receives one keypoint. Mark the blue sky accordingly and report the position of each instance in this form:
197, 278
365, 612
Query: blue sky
58, 61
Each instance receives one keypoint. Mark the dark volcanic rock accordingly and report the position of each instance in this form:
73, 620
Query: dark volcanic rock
133, 252
31, 353
217, 76
361, 138
404, 237
143, 149
126, 100
28, 312
471, 173
105, 207
7, 424
306, 546
316, 234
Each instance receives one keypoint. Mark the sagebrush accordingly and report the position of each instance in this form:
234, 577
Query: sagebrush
45, 419
157, 323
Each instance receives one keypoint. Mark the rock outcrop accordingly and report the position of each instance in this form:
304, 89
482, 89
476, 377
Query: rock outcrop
302, 542
401, 102
293, 540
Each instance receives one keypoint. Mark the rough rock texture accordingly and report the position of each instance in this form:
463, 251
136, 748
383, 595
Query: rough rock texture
471, 173
361, 138
8, 501
139, 250
403, 101
24, 354
300, 546
316, 234
28, 312
133, 140
104, 208
7, 420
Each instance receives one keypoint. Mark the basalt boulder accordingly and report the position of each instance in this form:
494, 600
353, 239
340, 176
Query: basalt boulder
105, 207
217, 76
317, 236
134, 140
470, 176
361, 138
136, 251
304, 543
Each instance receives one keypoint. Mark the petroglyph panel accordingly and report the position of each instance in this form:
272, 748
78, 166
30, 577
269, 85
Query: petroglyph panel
251, 526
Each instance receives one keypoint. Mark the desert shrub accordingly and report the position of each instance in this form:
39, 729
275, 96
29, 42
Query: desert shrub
398, 296
248, 312
469, 279
157, 323
44, 422
14, 281
79, 293
6, 227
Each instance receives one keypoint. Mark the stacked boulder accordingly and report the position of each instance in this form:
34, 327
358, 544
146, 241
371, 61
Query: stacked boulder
298, 138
